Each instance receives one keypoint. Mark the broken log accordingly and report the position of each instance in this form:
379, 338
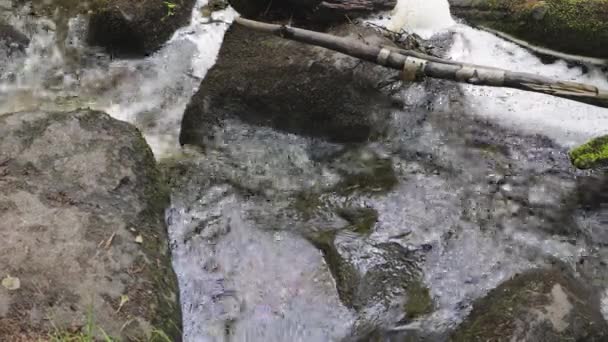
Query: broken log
415, 65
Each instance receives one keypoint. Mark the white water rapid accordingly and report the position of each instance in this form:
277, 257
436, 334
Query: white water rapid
565, 121
151, 93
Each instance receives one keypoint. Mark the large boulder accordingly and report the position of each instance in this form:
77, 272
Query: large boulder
577, 27
11, 40
311, 10
140, 27
269, 81
126, 28
540, 305
12, 43
82, 230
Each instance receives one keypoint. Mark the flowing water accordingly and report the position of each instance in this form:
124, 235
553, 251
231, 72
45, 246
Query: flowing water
484, 188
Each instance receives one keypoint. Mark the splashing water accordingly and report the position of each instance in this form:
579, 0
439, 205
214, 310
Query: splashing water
151, 93
567, 122
423, 17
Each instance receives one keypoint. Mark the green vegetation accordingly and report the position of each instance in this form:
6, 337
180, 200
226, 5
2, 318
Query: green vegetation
419, 301
592, 154
85, 334
171, 6
88, 334
91, 332
572, 26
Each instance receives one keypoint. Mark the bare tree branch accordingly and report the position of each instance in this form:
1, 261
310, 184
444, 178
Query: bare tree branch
416, 65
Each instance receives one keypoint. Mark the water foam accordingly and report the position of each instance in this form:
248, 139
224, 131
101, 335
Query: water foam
565, 121
423, 17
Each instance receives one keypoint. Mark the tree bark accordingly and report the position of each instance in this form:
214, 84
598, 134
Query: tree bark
416, 65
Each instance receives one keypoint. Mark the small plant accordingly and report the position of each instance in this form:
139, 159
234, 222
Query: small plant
171, 6
86, 334
159, 336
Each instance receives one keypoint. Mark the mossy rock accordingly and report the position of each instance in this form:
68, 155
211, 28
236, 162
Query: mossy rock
83, 229
268, 81
540, 305
375, 278
572, 26
127, 28
306, 12
12, 45
136, 28
592, 154
11, 40
419, 301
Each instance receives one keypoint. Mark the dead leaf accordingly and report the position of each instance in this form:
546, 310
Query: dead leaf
123, 300
109, 241
11, 283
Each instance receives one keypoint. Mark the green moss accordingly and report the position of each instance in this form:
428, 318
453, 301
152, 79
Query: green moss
346, 276
168, 312
307, 203
495, 316
419, 301
521, 306
364, 171
361, 220
157, 298
381, 180
592, 154
572, 26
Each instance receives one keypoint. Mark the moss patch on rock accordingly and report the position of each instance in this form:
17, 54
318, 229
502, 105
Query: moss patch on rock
592, 154
419, 301
572, 26
540, 305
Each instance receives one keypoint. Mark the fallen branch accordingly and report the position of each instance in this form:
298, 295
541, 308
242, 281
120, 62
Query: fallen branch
416, 65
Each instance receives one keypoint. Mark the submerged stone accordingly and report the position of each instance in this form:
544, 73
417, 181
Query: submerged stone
364, 171
381, 281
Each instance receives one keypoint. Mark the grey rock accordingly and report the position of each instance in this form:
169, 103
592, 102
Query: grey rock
540, 305
268, 81
128, 27
77, 191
